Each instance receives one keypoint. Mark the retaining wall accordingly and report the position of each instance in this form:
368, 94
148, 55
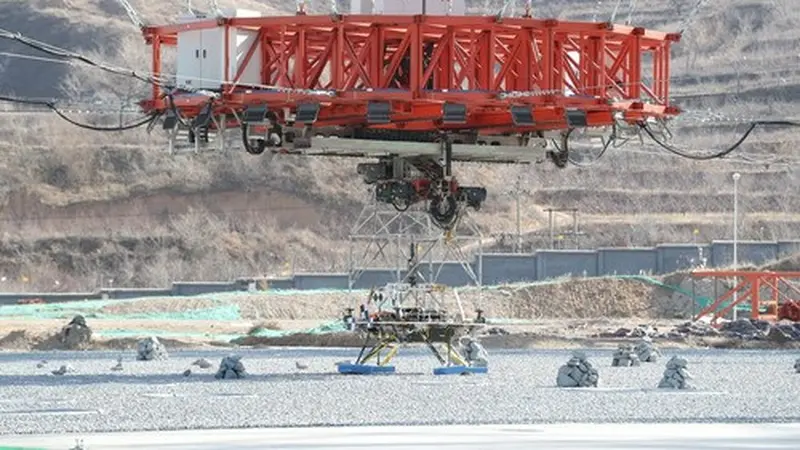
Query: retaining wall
496, 269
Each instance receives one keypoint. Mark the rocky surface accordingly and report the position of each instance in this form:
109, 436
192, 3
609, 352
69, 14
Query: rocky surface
676, 376
520, 390
150, 349
577, 372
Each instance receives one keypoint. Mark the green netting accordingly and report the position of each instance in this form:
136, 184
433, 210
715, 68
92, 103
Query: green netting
55, 310
123, 333
335, 326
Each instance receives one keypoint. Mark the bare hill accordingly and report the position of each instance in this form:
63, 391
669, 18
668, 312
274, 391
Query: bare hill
83, 207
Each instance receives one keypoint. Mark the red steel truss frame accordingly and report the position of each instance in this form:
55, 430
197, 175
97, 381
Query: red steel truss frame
750, 286
419, 62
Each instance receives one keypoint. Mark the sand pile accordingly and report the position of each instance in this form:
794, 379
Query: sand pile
584, 298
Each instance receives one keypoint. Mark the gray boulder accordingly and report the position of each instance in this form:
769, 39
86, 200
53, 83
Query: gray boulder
577, 372
231, 367
150, 349
76, 335
646, 351
624, 356
676, 376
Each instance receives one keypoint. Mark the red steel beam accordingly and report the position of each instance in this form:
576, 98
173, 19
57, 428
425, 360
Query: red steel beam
470, 59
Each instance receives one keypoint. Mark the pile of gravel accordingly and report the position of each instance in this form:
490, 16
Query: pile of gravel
151, 348
231, 367
577, 372
625, 356
646, 351
76, 335
676, 376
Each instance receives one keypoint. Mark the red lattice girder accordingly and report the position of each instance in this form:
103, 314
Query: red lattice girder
420, 62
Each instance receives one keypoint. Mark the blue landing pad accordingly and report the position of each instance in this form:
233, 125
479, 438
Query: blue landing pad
459, 370
363, 369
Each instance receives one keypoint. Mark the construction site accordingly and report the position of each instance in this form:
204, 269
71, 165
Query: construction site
320, 192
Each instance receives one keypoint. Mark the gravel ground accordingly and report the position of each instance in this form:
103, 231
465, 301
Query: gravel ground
738, 386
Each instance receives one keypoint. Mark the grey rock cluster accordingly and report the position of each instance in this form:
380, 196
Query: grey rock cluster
231, 367
676, 376
63, 370
577, 372
76, 335
646, 351
202, 363
625, 356
151, 348
696, 328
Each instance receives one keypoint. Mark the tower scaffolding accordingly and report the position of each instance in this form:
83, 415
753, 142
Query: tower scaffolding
410, 244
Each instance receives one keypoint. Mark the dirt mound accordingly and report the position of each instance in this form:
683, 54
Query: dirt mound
159, 305
303, 340
17, 340
788, 264
586, 298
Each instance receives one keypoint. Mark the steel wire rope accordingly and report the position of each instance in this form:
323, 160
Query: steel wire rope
150, 118
720, 153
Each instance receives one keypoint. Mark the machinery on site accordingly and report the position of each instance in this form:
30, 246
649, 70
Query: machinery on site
415, 311
415, 86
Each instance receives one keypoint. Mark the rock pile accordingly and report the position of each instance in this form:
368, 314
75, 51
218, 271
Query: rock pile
696, 328
646, 351
676, 376
151, 349
202, 363
231, 367
65, 369
577, 372
625, 356
76, 335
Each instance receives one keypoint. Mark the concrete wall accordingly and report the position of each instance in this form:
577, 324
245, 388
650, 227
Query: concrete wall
495, 268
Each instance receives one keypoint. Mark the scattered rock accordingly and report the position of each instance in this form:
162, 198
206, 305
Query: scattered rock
577, 372
473, 352
696, 328
41, 364
202, 363
676, 376
65, 369
231, 367
151, 349
646, 351
624, 356
76, 335
300, 366
187, 372
118, 367
496, 331
643, 331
